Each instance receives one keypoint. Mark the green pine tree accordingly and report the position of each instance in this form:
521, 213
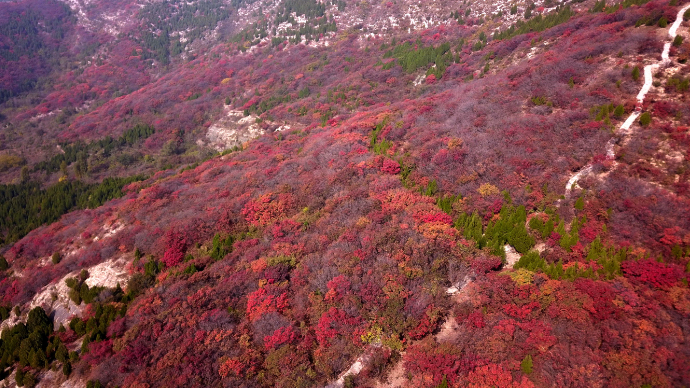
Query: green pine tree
619, 111
636, 73
526, 365
580, 203
663, 22
677, 41
66, 368
645, 119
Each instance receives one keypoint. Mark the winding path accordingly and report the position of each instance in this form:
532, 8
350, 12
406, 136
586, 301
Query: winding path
625, 128
458, 289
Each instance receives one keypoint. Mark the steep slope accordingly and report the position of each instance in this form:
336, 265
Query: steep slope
132, 49
411, 162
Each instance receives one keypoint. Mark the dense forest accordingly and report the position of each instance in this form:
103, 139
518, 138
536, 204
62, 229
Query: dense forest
191, 21
26, 206
30, 44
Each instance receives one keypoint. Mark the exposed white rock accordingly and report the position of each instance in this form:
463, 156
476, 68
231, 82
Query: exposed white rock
110, 231
109, 273
420, 78
512, 256
233, 129
54, 298
456, 288
354, 370
572, 182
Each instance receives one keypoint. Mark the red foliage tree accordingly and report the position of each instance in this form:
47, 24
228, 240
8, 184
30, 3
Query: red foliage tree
390, 166
476, 319
652, 273
338, 287
176, 248
268, 208
281, 336
430, 363
261, 301
98, 351
493, 375
335, 322
427, 324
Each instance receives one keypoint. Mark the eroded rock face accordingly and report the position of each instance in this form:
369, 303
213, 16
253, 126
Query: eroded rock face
54, 298
234, 129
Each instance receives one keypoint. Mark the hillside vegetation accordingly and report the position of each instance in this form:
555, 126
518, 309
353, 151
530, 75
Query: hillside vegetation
448, 206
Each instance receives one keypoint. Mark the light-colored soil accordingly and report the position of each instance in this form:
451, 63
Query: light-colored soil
234, 129
625, 129
396, 378
54, 298
512, 256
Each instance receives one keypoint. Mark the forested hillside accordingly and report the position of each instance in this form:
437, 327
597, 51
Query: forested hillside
469, 194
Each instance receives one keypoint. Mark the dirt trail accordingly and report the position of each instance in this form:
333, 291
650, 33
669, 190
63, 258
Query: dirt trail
456, 291
646, 87
355, 368
459, 293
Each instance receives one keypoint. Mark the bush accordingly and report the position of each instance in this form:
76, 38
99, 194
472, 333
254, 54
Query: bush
30, 380
636, 73
645, 119
526, 365
487, 190
663, 22
4, 312
520, 239
619, 111
221, 246
94, 384
580, 203
138, 283
191, 269
78, 326
38, 320
539, 100
680, 84
56, 258
652, 273
3, 263
538, 24
678, 40
88, 294
62, 354
530, 261
10, 161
